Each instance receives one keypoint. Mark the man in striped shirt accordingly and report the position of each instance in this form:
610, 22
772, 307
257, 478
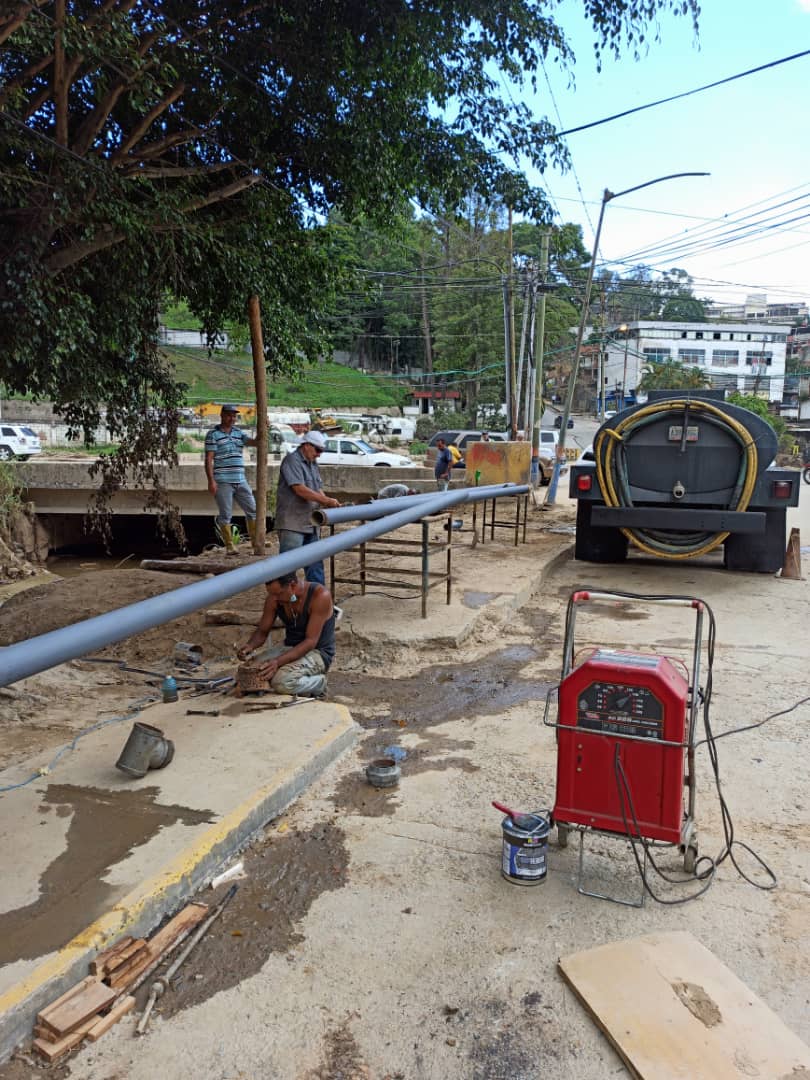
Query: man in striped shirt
225, 469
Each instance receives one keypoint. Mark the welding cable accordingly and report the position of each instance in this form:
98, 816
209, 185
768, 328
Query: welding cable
707, 877
122, 665
611, 469
40, 773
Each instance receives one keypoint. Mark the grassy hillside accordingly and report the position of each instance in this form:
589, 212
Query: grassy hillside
227, 376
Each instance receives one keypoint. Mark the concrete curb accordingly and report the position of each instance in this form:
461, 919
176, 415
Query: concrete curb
141, 910
495, 611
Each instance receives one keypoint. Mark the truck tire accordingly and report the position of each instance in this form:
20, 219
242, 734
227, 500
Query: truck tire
595, 543
758, 554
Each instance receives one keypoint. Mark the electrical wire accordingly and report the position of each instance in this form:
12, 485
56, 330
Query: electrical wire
135, 711
686, 93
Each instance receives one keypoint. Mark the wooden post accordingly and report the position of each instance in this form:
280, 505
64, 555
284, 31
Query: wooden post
260, 383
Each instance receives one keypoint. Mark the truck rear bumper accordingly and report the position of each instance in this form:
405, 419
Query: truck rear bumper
675, 519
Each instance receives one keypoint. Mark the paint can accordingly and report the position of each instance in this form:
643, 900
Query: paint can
525, 849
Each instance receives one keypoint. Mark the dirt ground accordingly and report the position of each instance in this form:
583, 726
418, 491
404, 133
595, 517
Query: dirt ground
374, 938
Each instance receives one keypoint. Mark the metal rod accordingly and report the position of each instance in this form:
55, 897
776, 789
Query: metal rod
425, 567
45, 651
384, 507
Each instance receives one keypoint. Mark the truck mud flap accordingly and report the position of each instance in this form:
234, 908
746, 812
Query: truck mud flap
761, 553
595, 543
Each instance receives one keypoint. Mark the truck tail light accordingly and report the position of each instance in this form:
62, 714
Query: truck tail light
584, 483
782, 489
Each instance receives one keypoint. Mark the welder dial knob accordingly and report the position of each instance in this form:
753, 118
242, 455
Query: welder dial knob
620, 702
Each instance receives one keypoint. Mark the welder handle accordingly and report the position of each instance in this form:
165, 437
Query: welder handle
586, 596
505, 809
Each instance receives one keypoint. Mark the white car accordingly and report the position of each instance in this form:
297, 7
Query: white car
17, 441
350, 451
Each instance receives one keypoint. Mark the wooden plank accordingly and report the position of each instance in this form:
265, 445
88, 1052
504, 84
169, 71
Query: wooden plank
52, 1051
132, 961
41, 1032
673, 1011
68, 994
74, 1012
121, 1008
119, 957
109, 955
126, 975
190, 916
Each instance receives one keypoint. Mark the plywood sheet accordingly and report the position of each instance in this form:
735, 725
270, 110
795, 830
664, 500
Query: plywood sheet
675, 1012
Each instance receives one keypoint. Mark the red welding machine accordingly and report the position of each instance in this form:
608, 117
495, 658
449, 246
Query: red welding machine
626, 739
643, 700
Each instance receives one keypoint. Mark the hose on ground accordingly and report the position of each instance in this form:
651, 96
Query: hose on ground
611, 468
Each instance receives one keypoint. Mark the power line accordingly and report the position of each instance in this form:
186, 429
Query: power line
686, 93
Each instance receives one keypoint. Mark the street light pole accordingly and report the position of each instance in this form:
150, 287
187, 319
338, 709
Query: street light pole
626, 329
607, 196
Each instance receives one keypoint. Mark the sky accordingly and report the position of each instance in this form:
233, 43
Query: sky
751, 135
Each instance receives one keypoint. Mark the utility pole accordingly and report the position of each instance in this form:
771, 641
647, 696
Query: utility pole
537, 418
260, 383
511, 358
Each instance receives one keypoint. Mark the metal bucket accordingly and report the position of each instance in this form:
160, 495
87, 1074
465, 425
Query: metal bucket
525, 850
146, 748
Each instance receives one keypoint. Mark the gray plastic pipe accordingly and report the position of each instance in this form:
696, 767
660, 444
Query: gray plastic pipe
382, 507
70, 642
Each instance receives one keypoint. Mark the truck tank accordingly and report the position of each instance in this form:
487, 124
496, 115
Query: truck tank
681, 476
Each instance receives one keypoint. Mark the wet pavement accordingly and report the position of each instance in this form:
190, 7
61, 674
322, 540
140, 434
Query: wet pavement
104, 827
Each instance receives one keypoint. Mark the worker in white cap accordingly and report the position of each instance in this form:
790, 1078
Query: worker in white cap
300, 490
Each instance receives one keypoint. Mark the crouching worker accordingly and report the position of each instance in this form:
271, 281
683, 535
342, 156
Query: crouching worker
299, 666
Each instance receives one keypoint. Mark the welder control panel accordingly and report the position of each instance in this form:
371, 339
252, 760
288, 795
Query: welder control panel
620, 708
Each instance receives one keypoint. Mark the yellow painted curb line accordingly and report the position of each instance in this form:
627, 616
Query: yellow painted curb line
123, 915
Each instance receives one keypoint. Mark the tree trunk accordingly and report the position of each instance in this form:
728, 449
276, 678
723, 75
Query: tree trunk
260, 381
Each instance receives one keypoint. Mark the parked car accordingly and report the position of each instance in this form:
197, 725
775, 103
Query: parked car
548, 441
558, 421
17, 441
350, 451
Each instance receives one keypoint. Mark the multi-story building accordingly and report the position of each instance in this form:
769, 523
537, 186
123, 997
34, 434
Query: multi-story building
756, 308
742, 356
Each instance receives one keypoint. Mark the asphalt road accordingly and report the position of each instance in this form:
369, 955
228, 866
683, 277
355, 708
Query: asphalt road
386, 944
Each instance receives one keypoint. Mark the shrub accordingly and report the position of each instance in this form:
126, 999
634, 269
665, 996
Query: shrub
418, 447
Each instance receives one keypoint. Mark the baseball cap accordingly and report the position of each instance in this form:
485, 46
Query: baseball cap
229, 408
315, 439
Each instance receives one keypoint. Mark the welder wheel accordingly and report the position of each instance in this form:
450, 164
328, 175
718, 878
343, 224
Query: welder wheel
562, 835
690, 858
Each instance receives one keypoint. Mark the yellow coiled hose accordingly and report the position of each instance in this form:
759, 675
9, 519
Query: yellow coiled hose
608, 438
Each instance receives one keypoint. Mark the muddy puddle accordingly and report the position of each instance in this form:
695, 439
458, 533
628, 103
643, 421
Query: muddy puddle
104, 827
286, 873
441, 693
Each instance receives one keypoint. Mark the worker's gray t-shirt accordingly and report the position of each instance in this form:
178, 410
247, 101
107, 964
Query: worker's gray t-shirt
292, 512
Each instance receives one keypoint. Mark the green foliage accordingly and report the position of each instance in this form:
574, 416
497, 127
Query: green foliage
759, 406
192, 150
418, 448
10, 493
670, 375
225, 376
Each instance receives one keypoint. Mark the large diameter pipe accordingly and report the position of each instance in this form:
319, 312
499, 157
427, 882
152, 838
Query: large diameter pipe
70, 642
382, 507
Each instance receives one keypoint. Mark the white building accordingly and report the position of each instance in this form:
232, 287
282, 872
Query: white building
743, 356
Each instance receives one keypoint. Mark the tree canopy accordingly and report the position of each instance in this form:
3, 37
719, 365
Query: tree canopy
197, 148
672, 375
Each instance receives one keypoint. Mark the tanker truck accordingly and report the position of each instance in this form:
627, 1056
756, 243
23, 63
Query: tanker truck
681, 476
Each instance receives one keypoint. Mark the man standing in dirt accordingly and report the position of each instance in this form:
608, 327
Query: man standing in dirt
225, 470
299, 666
300, 490
443, 466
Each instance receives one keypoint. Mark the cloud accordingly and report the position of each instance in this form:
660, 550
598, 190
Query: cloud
804, 5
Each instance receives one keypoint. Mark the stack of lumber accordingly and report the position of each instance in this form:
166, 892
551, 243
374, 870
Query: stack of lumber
93, 1005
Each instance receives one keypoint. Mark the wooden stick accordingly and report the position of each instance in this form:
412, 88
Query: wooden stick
125, 1005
